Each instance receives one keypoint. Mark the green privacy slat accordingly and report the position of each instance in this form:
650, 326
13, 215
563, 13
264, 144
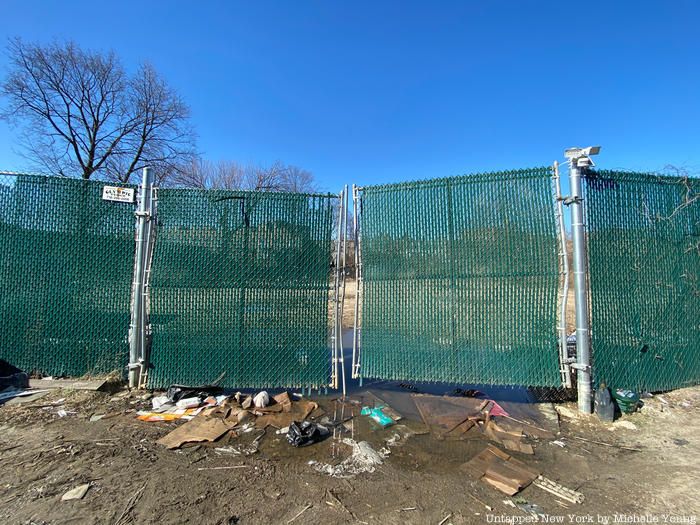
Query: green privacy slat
240, 287
644, 264
65, 275
460, 280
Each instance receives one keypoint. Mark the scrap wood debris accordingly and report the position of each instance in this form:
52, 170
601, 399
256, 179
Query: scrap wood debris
558, 490
210, 416
501, 471
509, 475
456, 416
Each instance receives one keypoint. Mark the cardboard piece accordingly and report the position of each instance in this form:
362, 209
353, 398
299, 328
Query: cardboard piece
511, 439
447, 414
198, 429
283, 400
500, 470
299, 411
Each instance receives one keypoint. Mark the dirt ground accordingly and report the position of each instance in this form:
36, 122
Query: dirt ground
135, 480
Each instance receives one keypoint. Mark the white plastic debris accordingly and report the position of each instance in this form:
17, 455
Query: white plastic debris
363, 459
159, 401
399, 436
220, 399
76, 493
558, 442
189, 402
261, 400
248, 427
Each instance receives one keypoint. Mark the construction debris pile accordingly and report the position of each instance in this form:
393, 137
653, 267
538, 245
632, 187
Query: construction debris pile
210, 414
467, 417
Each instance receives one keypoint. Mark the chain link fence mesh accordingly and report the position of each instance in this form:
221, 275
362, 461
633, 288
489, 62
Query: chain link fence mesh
66, 267
240, 288
460, 280
644, 264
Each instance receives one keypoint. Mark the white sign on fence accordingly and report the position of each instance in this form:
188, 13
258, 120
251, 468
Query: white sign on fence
115, 193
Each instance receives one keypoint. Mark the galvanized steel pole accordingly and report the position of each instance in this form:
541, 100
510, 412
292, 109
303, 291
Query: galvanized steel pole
564, 362
583, 341
136, 332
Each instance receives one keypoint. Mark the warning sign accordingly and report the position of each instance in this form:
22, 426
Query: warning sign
117, 194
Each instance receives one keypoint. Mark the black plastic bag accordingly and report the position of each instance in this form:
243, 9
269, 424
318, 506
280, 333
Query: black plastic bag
305, 433
12, 377
177, 392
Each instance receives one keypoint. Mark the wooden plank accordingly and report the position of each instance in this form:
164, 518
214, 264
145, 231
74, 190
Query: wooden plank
506, 489
506, 474
498, 453
502, 474
68, 384
500, 470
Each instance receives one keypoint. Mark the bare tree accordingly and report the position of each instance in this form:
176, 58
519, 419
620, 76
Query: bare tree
297, 179
280, 177
82, 114
204, 174
261, 178
200, 173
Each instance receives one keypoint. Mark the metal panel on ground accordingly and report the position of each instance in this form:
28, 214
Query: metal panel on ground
67, 255
240, 288
459, 280
644, 263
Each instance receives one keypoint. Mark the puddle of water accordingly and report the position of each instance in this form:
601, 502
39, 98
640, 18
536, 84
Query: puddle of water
398, 393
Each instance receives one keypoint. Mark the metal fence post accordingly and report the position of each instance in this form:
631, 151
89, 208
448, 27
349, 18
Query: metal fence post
578, 161
137, 336
358, 280
342, 284
337, 311
564, 361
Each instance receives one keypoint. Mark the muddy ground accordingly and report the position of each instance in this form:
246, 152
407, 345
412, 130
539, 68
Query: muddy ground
135, 480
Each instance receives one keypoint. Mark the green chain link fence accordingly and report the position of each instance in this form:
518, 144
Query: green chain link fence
644, 264
240, 288
460, 280
67, 258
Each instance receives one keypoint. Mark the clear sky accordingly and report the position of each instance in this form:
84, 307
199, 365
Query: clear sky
371, 92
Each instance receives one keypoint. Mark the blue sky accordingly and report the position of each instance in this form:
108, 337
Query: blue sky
373, 92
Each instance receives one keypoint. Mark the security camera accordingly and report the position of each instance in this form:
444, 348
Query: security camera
575, 153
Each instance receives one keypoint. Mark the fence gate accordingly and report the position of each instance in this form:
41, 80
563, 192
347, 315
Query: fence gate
66, 262
644, 263
459, 279
239, 288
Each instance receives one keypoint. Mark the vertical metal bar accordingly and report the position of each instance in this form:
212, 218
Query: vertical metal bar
145, 357
336, 298
355, 327
136, 332
342, 285
583, 344
564, 364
